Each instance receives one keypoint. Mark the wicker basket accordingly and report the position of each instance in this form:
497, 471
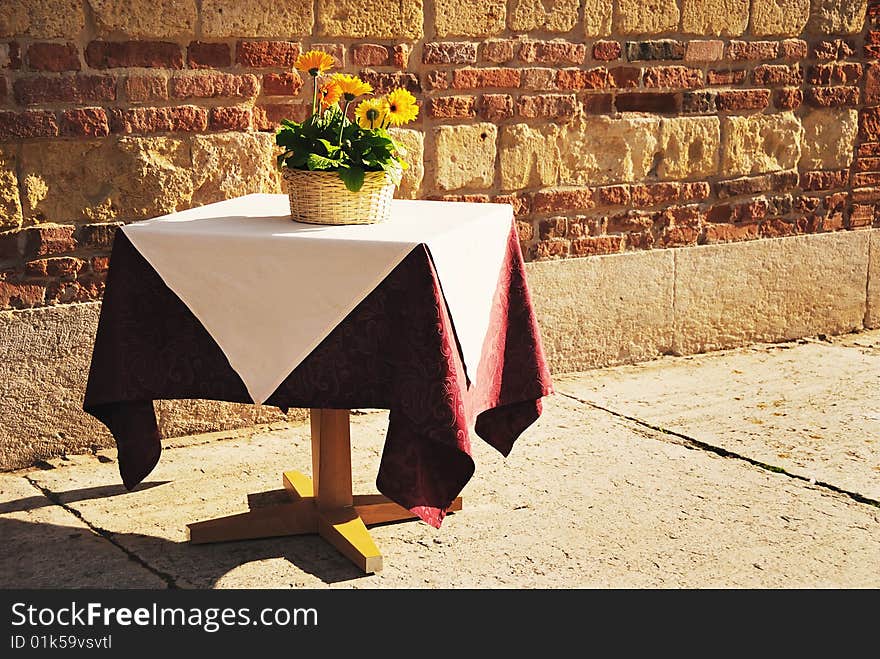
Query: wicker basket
322, 198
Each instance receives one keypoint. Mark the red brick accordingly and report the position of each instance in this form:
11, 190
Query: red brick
681, 216
793, 49
452, 107
18, 295
865, 194
725, 233
679, 236
559, 199
777, 74
450, 52
622, 77
554, 227
269, 117
400, 55
552, 52
872, 84
10, 55
700, 50
144, 89
97, 236
468, 198
282, 84
869, 149
779, 228
371, 54
789, 98
84, 122
48, 241
496, 107
652, 194
842, 73
752, 50
596, 103
525, 231
99, 263
492, 78
716, 77
595, 245
538, 79
833, 49
872, 51
81, 290
267, 54
10, 247
630, 221
437, 80
695, 190
212, 85
823, 180
665, 103
559, 106
676, 77
861, 215
118, 54
32, 123
640, 240
607, 51
548, 249
202, 55
384, 81
658, 49
230, 119
579, 79
184, 118
828, 97
747, 99
520, 203
869, 123
3, 89
337, 50
746, 211
53, 57
864, 179
78, 88
63, 266
497, 51
613, 195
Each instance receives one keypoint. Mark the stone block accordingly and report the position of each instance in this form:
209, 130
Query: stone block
232, 165
760, 143
597, 17
772, 18
414, 143
144, 19
465, 156
837, 16
257, 18
872, 317
552, 16
640, 17
10, 204
41, 19
689, 147
714, 17
469, 17
829, 136
529, 156
385, 19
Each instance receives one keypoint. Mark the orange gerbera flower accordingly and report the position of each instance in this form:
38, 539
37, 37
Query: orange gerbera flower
314, 62
329, 94
352, 86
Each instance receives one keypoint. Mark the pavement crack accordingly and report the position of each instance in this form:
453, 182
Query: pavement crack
696, 444
104, 533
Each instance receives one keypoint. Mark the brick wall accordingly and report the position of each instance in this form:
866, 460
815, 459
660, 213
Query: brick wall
609, 126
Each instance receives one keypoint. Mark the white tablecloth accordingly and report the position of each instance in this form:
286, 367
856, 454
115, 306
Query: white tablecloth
269, 290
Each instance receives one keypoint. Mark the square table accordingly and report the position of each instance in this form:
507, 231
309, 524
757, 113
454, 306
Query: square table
427, 315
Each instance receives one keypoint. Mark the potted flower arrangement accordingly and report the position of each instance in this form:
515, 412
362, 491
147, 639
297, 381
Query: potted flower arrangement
341, 170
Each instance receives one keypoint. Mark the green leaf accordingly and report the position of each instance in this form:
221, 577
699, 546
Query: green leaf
317, 162
353, 177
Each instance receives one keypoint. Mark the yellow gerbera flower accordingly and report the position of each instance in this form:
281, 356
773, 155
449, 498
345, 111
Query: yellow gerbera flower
314, 62
371, 112
402, 107
352, 86
329, 93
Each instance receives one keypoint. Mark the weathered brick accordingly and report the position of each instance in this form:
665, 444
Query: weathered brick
97, 236
20, 295
384, 81
118, 54
725, 233
549, 249
496, 107
868, 149
664, 103
861, 215
553, 227
694, 191
613, 195
745, 99
10, 248
84, 122
267, 54
744, 185
449, 52
498, 51
437, 80
452, 107
205, 55
699, 50
676, 77
777, 74
679, 236
231, 118
778, 227
48, 241
525, 231
789, 98
842, 73
728, 77
607, 51
869, 123
829, 97
99, 264
596, 245
282, 84
538, 79
337, 51
823, 180
268, 117
630, 221
752, 50
212, 85
872, 84
80, 290
372, 54
746, 211
551, 200
31, 123
661, 49
79, 88
53, 57
144, 89
597, 78
652, 194
61, 266
4, 91
698, 102
865, 194
10, 55
552, 52
596, 103
863, 179
557, 106
185, 118
490, 78
793, 49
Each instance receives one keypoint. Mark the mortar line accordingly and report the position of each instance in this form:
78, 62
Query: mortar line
107, 535
693, 443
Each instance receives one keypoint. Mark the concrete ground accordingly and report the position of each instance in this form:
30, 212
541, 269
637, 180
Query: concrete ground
757, 467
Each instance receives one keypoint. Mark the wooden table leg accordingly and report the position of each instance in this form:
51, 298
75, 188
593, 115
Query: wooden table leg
323, 504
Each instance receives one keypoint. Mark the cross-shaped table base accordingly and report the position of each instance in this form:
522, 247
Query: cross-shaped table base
323, 504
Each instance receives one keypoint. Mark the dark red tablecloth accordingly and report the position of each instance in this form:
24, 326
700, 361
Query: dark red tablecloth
396, 350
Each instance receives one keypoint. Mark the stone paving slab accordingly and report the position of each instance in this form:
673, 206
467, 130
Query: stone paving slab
809, 407
587, 499
45, 546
